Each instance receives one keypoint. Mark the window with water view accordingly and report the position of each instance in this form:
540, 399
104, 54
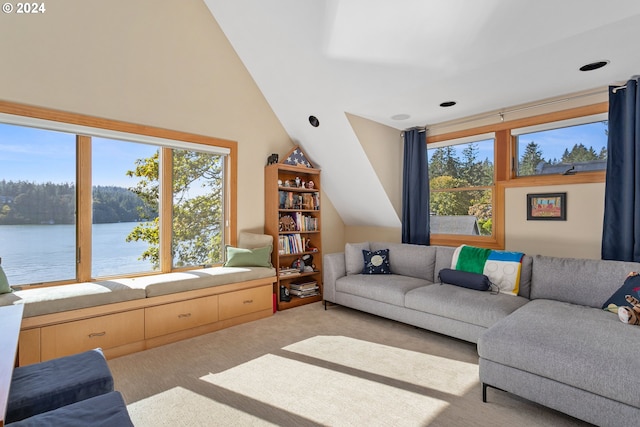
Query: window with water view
39, 195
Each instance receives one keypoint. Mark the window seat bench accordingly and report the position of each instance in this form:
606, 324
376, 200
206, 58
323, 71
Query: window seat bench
132, 314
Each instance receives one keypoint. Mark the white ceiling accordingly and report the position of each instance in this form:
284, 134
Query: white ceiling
380, 58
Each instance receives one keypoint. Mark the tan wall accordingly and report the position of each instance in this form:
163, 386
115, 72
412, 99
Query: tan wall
157, 62
580, 236
372, 234
383, 147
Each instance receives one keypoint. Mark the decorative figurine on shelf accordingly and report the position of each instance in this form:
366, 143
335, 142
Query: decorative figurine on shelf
310, 185
298, 265
302, 184
284, 294
297, 181
272, 159
287, 223
308, 247
287, 183
279, 183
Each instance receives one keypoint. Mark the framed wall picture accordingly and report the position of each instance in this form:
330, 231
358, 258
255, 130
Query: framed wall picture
547, 206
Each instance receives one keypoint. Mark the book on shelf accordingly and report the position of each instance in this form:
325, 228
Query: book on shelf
304, 285
289, 272
304, 294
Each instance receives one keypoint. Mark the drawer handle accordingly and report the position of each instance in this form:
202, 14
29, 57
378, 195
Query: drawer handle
97, 334
183, 316
249, 301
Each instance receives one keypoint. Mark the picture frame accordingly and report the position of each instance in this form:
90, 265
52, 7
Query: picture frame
547, 207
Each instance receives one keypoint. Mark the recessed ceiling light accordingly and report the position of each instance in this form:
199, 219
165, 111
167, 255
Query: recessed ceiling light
314, 121
594, 65
448, 104
400, 117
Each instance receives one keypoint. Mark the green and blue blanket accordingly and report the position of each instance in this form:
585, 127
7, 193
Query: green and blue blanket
501, 267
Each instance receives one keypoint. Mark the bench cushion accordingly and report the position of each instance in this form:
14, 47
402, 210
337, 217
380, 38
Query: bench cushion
106, 410
584, 347
54, 299
481, 308
46, 386
387, 288
170, 283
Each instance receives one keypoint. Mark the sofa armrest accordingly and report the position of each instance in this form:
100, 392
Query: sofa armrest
333, 268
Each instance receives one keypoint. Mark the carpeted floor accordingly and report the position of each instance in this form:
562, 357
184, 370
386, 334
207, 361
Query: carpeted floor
310, 367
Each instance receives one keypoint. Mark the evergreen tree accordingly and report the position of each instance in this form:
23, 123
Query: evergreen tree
530, 159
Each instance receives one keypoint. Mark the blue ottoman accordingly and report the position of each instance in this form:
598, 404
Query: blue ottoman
46, 386
106, 410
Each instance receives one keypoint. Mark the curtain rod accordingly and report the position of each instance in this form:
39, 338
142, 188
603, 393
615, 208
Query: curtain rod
617, 88
501, 113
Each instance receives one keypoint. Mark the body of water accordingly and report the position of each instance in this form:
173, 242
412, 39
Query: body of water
44, 253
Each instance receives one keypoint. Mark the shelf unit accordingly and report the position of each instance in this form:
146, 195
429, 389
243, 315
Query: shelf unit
302, 205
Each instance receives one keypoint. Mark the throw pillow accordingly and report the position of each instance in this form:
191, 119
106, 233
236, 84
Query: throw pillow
243, 257
631, 286
476, 281
254, 240
4, 283
376, 262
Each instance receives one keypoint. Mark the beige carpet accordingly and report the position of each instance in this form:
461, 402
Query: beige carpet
308, 366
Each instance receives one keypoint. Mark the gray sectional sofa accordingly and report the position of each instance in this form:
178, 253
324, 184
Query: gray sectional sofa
552, 343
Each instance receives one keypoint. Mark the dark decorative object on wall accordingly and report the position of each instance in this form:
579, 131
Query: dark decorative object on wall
547, 206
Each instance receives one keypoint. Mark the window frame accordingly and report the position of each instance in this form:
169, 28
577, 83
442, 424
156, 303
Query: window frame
549, 126
463, 141
505, 168
99, 127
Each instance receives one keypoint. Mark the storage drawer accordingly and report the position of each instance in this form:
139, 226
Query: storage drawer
178, 316
106, 332
246, 301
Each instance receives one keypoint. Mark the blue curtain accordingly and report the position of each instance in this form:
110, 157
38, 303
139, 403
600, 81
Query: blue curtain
415, 191
621, 228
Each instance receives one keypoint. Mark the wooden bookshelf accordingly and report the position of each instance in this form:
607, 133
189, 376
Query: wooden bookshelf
292, 217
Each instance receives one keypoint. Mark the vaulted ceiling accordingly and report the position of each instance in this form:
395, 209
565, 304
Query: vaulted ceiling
389, 59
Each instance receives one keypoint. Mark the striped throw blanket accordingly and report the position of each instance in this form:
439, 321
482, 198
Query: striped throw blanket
501, 267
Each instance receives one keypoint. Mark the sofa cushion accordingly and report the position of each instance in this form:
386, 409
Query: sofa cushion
106, 410
54, 299
462, 304
578, 281
49, 385
387, 288
410, 260
584, 347
4, 282
353, 256
475, 281
376, 262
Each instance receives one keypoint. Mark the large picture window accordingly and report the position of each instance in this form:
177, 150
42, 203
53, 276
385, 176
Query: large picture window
461, 181
37, 204
80, 203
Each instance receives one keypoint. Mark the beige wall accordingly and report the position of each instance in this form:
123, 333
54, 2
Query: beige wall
580, 236
383, 147
156, 62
